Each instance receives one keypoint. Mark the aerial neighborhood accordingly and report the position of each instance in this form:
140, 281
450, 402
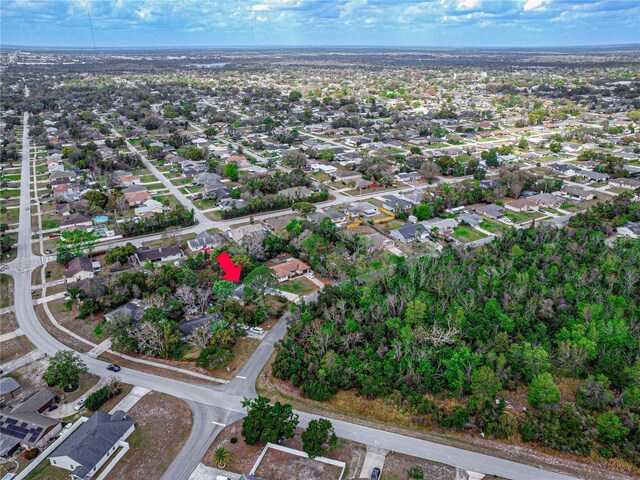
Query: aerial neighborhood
448, 249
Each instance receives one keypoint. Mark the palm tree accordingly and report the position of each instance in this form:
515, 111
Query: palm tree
221, 457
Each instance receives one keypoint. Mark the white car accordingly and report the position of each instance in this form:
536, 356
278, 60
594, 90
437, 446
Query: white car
310, 275
79, 406
258, 330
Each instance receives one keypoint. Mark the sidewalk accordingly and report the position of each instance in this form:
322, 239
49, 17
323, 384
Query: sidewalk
21, 362
130, 400
8, 336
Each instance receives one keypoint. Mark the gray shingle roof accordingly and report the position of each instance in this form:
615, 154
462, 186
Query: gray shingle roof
8, 385
92, 440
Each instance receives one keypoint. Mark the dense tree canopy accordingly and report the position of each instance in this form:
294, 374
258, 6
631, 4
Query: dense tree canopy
537, 303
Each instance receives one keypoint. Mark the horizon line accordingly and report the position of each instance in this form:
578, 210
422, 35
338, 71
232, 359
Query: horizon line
286, 46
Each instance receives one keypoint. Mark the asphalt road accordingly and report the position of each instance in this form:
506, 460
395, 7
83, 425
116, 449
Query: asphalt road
223, 404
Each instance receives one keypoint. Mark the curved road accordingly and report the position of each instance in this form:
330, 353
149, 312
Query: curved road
215, 407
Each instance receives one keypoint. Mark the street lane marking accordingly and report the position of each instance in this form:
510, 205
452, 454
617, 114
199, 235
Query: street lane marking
218, 423
243, 378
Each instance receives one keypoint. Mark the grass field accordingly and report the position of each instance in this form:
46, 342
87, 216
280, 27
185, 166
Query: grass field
299, 286
467, 234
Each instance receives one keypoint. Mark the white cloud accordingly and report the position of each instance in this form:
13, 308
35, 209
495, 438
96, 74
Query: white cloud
464, 4
534, 4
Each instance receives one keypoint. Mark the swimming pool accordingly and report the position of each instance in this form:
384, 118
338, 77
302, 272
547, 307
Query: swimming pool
101, 219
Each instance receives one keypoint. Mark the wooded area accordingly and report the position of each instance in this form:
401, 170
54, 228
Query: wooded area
534, 308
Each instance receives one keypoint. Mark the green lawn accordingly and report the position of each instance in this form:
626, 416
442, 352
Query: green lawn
521, 217
299, 286
10, 192
493, 226
49, 223
6, 298
467, 234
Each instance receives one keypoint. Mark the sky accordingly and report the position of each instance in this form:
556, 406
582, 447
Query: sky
435, 23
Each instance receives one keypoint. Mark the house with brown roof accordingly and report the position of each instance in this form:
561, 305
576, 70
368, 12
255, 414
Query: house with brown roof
136, 194
290, 268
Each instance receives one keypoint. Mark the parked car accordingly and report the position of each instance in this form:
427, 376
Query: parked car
113, 367
243, 326
54, 235
258, 330
79, 405
375, 474
52, 407
310, 275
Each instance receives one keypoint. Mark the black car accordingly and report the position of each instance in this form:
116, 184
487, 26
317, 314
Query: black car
114, 368
53, 407
375, 475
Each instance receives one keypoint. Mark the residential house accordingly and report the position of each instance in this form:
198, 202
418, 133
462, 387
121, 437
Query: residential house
206, 177
129, 180
158, 254
188, 327
521, 205
630, 183
470, 218
205, 241
79, 269
409, 176
547, 200
359, 209
290, 268
410, 232
149, 206
131, 309
24, 425
238, 234
336, 216
277, 224
440, 224
629, 229
297, 193
379, 241
492, 211
397, 204
89, 447
76, 220
576, 193
9, 389
136, 194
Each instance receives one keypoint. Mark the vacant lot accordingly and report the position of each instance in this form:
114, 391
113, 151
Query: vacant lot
243, 456
276, 465
152, 447
8, 323
396, 467
6, 291
15, 348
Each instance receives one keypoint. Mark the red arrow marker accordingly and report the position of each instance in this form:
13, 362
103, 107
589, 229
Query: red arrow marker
231, 270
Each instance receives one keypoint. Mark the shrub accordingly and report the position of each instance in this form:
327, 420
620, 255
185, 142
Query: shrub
543, 391
99, 397
31, 454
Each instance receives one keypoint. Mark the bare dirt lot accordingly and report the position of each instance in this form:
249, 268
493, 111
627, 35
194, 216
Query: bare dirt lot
276, 465
243, 456
15, 348
8, 323
152, 449
397, 466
